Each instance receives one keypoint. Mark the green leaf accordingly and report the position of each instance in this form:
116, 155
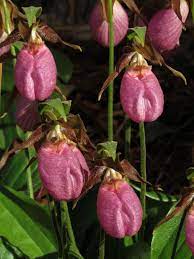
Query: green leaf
169, 238
14, 170
73, 251
14, 174
25, 224
138, 34
8, 77
157, 196
56, 108
32, 13
18, 45
64, 65
7, 126
107, 149
4, 252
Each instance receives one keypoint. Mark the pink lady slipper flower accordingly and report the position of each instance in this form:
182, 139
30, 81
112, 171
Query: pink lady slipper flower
118, 208
165, 27
141, 96
100, 27
27, 116
189, 229
62, 169
35, 72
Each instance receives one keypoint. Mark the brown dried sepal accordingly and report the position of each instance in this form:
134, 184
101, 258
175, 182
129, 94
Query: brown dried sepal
36, 136
12, 38
152, 55
121, 64
75, 130
48, 34
130, 172
95, 178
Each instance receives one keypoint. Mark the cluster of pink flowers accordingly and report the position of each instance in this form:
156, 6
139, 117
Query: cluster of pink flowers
142, 100
62, 166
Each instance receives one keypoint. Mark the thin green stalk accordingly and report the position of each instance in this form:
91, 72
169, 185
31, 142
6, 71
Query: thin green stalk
29, 172
66, 222
29, 183
111, 70
127, 139
54, 220
110, 104
102, 245
143, 172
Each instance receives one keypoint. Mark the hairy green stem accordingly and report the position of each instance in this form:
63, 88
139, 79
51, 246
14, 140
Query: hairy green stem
111, 70
29, 171
29, 183
55, 224
143, 172
110, 104
102, 245
66, 222
127, 139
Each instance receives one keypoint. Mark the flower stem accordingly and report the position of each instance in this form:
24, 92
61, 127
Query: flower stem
111, 70
29, 171
66, 222
127, 139
110, 104
102, 245
143, 173
29, 183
